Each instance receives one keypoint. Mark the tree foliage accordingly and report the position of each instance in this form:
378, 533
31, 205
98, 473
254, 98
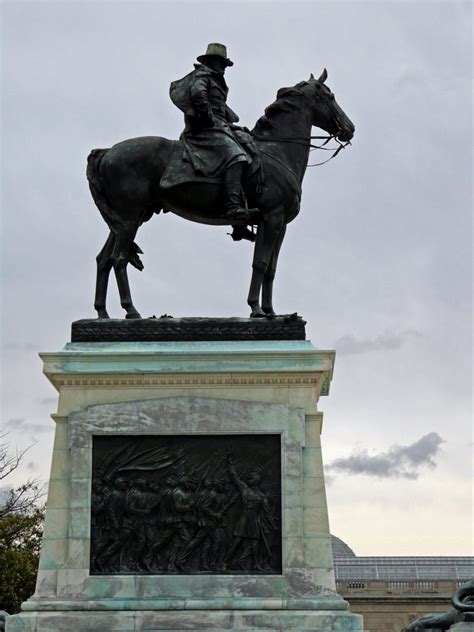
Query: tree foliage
21, 525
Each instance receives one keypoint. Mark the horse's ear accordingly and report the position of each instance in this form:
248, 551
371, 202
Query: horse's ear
311, 77
324, 76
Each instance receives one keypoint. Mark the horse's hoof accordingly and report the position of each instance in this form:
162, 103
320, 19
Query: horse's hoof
269, 312
133, 314
257, 312
102, 313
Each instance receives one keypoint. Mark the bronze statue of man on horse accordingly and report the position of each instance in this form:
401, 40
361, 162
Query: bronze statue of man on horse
213, 174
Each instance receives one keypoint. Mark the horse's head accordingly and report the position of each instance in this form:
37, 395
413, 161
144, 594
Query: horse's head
326, 112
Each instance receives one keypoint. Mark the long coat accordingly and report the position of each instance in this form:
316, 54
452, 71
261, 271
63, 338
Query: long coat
211, 146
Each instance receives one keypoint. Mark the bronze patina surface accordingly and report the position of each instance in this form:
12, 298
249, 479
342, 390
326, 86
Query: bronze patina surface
291, 327
218, 173
186, 504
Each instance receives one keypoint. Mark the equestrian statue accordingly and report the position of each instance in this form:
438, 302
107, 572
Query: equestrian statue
217, 173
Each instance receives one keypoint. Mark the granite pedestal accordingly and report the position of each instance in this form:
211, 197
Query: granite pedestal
188, 389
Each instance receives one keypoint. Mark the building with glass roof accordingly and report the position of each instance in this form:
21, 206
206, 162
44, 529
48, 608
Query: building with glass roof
393, 591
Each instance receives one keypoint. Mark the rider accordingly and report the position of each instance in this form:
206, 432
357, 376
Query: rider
215, 145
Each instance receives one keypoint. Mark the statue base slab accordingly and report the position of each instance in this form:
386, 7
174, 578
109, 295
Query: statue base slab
168, 329
138, 421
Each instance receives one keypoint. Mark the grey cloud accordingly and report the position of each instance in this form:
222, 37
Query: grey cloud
15, 422
48, 400
348, 345
328, 479
20, 422
37, 428
398, 462
20, 346
4, 492
383, 238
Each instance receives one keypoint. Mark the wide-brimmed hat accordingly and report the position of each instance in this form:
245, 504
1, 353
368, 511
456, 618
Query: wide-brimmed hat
216, 50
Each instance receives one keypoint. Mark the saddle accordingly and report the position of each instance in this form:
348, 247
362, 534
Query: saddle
180, 171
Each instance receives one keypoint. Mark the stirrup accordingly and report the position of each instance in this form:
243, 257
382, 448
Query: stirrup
240, 232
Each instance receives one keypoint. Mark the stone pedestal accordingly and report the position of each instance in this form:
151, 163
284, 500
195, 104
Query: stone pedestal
188, 389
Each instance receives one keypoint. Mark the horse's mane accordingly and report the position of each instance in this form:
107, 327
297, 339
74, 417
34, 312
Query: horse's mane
288, 99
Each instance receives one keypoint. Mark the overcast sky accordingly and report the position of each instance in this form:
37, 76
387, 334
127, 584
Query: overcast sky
378, 261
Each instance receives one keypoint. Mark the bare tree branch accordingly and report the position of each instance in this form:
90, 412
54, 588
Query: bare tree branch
9, 462
24, 498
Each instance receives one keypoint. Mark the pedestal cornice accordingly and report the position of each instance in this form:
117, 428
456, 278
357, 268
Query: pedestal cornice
188, 363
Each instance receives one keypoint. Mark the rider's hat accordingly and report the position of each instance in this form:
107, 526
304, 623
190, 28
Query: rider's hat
216, 50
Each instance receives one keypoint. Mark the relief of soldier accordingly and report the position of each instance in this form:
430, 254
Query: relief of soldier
217, 516
177, 522
107, 552
255, 523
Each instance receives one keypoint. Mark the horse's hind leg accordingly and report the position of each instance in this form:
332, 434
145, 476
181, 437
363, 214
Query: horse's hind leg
269, 276
120, 258
104, 265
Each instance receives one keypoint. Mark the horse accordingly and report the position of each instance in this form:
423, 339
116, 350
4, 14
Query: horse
124, 181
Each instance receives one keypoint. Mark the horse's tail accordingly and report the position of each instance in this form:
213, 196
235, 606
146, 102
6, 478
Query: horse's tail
96, 186
110, 216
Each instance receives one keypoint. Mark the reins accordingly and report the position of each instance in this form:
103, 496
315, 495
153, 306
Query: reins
337, 150
307, 143
285, 166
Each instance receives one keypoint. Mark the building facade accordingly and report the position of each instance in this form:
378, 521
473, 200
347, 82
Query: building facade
391, 592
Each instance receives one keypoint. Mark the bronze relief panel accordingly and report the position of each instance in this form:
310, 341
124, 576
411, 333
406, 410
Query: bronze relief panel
181, 504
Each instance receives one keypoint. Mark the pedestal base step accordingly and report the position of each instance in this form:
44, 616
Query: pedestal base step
176, 621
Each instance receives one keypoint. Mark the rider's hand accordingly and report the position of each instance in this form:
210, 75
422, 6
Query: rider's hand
239, 128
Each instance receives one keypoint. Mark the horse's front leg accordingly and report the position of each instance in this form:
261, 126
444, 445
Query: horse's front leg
269, 276
267, 234
120, 260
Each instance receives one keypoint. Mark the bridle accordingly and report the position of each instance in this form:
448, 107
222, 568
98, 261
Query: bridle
330, 137
308, 143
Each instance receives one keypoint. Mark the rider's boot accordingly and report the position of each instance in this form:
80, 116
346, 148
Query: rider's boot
233, 205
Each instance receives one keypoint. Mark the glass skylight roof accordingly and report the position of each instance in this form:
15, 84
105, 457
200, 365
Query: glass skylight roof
404, 568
